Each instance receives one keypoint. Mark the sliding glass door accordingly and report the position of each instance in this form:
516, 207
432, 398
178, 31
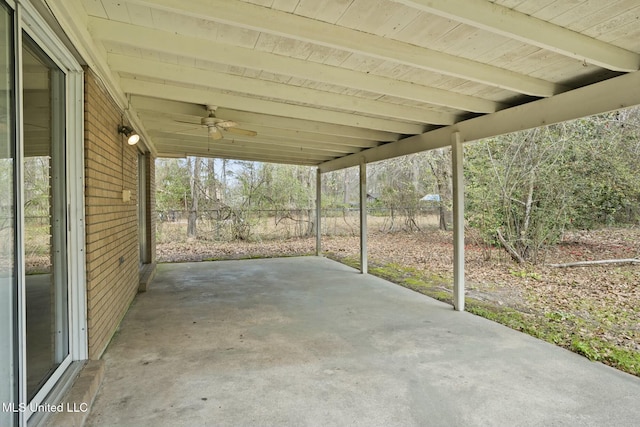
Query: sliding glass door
42, 262
8, 275
143, 227
45, 219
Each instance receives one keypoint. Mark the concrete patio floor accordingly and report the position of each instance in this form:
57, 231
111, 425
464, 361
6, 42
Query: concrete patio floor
310, 342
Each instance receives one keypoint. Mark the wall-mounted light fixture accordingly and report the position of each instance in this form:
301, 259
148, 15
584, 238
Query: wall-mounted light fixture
132, 137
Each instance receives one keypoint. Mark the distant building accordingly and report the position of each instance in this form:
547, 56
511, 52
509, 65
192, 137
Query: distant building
431, 198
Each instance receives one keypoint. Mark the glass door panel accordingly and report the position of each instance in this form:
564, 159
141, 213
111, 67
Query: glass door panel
8, 279
142, 209
45, 223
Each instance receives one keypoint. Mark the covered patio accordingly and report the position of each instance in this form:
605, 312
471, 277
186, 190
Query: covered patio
327, 84
336, 84
309, 341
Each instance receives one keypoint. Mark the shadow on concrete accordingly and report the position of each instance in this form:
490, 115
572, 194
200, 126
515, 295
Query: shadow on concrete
308, 341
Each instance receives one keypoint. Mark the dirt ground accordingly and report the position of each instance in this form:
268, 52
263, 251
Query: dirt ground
594, 303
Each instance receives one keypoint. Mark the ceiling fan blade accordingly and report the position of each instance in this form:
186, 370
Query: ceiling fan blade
191, 122
239, 131
189, 131
226, 124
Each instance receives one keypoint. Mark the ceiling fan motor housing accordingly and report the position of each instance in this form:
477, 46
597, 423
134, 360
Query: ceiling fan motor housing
209, 121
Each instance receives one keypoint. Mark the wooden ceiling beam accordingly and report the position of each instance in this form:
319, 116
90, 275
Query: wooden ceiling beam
162, 126
208, 97
307, 129
608, 95
275, 91
233, 146
510, 23
208, 50
272, 143
267, 20
220, 153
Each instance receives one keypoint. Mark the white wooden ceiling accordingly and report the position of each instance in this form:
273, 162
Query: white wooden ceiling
331, 82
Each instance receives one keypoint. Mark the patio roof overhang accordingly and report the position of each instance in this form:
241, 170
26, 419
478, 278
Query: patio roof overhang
337, 83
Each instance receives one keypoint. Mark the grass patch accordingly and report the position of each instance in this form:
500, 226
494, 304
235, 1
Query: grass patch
559, 328
556, 327
347, 260
514, 319
425, 283
599, 350
431, 285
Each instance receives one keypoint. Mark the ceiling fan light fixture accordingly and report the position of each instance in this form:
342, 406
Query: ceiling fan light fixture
214, 132
216, 127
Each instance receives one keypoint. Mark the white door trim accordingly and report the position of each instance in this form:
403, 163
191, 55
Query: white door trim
29, 21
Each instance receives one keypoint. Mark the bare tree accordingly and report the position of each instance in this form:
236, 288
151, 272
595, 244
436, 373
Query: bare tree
192, 231
440, 163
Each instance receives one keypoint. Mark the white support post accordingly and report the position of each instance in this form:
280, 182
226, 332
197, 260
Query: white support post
458, 221
363, 217
318, 212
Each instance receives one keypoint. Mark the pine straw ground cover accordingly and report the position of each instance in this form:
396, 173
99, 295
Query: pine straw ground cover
594, 310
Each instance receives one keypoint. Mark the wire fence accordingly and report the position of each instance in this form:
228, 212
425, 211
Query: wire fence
270, 224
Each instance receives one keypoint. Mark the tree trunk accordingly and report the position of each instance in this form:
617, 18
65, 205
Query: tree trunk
440, 167
443, 218
192, 221
598, 262
223, 190
211, 176
346, 187
523, 238
514, 254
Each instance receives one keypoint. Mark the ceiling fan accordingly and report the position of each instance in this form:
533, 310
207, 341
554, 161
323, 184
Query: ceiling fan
216, 126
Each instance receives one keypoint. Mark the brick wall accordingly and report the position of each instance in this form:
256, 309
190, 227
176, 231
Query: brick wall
112, 249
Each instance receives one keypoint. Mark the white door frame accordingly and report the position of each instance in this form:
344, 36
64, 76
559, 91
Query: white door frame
29, 21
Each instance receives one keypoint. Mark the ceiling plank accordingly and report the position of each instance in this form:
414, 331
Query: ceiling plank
164, 107
335, 142
239, 154
313, 138
73, 18
268, 89
312, 126
177, 44
167, 107
207, 97
609, 95
279, 139
293, 146
178, 153
246, 148
528, 29
258, 18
